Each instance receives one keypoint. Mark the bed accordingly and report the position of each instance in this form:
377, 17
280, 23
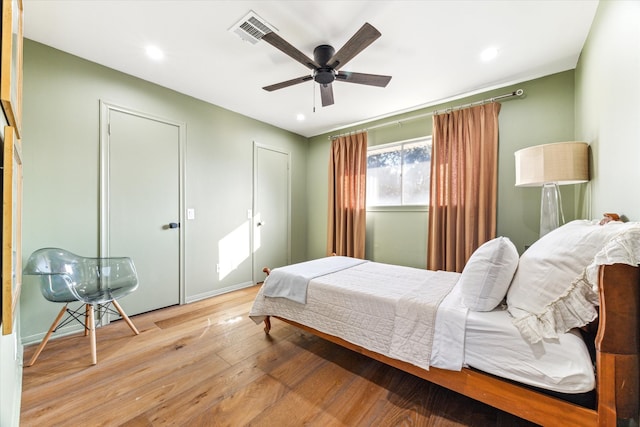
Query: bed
561, 321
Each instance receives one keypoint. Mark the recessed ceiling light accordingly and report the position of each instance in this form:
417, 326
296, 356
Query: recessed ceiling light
489, 54
154, 53
300, 117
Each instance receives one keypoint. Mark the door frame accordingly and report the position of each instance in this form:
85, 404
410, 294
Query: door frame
257, 146
104, 249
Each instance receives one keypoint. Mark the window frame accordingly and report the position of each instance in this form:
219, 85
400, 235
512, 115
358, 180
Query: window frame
401, 207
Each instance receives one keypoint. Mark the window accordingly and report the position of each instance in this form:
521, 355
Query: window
398, 173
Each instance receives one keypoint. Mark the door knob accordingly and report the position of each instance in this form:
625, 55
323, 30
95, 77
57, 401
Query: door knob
174, 225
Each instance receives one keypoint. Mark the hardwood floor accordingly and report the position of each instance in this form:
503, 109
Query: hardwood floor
208, 364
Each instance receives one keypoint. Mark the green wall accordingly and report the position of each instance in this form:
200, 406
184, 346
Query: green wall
61, 169
608, 107
545, 114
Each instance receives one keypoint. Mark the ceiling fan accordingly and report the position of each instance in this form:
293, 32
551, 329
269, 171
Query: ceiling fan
326, 63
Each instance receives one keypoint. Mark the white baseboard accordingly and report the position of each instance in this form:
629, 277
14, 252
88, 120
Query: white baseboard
198, 297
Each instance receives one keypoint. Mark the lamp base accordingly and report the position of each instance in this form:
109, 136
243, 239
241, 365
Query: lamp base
550, 208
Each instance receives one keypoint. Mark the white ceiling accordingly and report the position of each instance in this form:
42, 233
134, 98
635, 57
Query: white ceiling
431, 48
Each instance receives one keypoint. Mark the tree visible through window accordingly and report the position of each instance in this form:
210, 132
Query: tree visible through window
398, 173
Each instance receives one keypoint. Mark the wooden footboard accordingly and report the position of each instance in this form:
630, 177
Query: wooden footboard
617, 364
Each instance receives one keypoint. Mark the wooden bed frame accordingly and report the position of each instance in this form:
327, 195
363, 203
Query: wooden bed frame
617, 346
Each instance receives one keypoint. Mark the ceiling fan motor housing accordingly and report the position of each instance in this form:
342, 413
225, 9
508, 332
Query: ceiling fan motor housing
322, 54
325, 74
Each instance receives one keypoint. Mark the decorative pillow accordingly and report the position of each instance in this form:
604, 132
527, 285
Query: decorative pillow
486, 277
547, 295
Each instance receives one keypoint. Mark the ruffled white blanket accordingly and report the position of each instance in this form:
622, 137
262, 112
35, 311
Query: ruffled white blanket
622, 249
577, 306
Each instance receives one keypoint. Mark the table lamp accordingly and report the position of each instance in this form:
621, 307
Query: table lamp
549, 166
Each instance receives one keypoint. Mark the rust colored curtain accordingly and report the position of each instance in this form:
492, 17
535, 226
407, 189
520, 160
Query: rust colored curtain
464, 181
347, 191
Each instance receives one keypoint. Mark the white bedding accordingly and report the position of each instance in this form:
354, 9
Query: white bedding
359, 305
372, 305
494, 345
292, 281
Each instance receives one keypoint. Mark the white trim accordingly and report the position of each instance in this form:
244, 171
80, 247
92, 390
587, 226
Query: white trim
406, 141
403, 208
105, 109
391, 146
216, 292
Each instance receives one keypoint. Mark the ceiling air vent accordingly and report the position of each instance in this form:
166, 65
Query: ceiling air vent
251, 27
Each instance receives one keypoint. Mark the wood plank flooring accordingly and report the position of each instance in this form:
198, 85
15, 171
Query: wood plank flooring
208, 364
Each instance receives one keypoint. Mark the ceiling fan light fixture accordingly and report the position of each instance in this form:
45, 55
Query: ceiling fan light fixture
324, 75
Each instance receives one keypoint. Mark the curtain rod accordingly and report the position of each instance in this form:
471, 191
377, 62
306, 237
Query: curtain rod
518, 93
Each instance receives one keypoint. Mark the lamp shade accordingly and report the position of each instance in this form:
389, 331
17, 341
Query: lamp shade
560, 163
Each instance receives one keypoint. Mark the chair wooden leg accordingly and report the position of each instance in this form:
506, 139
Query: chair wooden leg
92, 334
87, 308
46, 337
125, 317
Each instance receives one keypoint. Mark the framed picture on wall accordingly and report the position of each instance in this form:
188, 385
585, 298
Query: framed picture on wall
11, 227
11, 63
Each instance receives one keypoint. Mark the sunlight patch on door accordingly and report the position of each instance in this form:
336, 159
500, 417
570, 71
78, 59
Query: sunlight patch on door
257, 220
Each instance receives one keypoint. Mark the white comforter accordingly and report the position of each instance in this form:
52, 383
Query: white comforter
364, 305
386, 308
292, 281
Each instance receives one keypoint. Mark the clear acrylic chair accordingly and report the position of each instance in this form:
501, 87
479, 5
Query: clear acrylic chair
96, 282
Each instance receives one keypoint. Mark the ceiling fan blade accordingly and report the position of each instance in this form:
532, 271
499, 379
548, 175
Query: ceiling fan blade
366, 35
288, 83
326, 94
363, 79
279, 43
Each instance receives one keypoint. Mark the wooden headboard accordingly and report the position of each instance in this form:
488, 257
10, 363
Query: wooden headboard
618, 343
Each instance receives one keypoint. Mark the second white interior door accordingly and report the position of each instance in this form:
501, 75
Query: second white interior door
271, 210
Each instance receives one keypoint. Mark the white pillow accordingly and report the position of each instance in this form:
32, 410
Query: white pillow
546, 296
486, 277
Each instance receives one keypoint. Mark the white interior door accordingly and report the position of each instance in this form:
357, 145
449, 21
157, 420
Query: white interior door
271, 212
143, 187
